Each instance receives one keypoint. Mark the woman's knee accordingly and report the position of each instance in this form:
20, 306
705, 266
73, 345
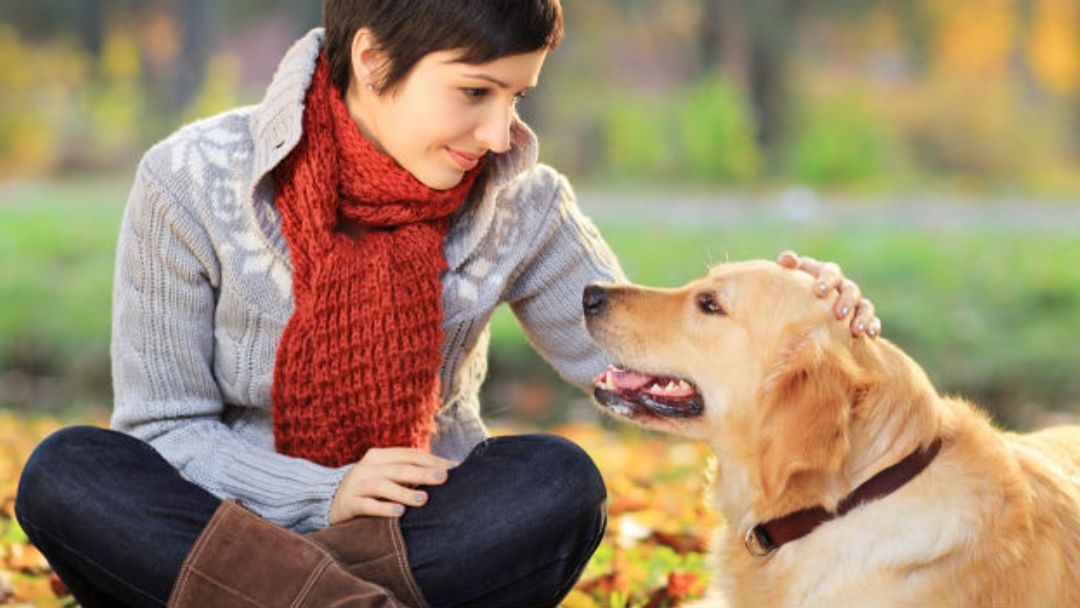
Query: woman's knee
568, 476
511, 481
57, 468
549, 484
522, 515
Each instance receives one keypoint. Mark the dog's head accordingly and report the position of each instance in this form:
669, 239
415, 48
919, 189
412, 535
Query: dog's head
746, 358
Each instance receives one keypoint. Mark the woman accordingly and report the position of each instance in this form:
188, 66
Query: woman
301, 302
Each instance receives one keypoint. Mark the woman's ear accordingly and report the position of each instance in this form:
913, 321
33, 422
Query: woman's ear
367, 59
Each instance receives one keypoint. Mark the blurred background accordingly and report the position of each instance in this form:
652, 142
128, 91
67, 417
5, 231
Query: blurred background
929, 147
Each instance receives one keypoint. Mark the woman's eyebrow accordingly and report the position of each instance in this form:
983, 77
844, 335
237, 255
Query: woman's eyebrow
491, 79
495, 81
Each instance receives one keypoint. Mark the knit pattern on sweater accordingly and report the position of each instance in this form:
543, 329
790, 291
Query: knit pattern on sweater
357, 364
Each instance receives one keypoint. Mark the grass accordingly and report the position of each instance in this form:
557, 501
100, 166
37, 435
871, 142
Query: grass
987, 308
58, 239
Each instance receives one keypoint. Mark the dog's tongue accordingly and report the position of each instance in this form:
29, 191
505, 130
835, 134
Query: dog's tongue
624, 380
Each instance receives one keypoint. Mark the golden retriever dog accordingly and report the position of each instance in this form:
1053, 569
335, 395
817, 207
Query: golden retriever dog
843, 477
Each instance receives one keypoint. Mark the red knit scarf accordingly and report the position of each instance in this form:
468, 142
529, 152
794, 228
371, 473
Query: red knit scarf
358, 361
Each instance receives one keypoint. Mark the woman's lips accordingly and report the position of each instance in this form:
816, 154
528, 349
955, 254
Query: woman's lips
465, 160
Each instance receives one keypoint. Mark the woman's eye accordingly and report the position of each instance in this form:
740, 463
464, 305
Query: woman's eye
708, 304
474, 93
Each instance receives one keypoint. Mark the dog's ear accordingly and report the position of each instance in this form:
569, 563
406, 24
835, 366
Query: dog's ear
808, 398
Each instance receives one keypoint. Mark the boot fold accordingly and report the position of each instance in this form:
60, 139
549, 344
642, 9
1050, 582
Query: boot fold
243, 561
373, 549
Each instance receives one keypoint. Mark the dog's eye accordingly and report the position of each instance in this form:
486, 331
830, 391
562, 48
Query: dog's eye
707, 304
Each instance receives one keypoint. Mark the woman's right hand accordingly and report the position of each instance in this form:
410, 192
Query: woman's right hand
385, 481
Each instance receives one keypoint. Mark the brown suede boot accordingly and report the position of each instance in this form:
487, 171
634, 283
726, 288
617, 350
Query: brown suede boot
243, 561
372, 548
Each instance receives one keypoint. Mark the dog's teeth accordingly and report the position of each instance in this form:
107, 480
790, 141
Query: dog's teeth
608, 384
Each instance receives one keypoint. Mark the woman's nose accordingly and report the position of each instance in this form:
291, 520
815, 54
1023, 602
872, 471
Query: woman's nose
494, 132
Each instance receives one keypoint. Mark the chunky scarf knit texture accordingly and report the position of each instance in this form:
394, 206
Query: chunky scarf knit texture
357, 365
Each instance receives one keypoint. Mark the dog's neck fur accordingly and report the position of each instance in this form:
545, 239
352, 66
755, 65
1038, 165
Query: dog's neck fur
884, 425
883, 429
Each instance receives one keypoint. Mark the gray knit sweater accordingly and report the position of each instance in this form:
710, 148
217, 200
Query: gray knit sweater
202, 294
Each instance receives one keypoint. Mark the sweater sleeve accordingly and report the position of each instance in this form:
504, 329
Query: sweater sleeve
165, 392
566, 255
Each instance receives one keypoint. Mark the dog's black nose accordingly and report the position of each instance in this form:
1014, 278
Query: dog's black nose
595, 300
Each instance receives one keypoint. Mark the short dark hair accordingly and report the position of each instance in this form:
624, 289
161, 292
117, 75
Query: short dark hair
407, 30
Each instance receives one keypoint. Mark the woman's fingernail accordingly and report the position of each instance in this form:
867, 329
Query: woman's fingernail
439, 475
844, 310
418, 497
398, 509
822, 287
861, 327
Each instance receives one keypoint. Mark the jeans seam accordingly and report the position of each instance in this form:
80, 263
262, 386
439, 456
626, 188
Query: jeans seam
401, 553
38, 531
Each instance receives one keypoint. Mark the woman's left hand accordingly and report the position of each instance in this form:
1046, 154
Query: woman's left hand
830, 277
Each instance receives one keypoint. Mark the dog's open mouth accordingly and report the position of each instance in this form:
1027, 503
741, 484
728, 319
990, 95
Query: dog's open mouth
629, 392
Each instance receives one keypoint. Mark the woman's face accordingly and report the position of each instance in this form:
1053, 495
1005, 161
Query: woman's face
445, 115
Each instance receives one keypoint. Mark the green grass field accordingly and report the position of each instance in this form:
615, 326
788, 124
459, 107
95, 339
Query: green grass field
989, 310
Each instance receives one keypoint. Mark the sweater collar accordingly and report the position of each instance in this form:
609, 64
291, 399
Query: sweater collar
276, 130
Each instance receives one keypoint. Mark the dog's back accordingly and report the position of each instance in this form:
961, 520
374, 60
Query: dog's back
1054, 465
1060, 444
1050, 460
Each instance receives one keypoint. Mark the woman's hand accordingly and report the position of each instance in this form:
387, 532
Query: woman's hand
829, 277
385, 481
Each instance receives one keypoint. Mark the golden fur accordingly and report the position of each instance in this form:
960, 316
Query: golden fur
799, 414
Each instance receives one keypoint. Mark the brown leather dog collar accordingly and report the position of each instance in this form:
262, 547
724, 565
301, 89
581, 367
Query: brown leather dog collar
763, 539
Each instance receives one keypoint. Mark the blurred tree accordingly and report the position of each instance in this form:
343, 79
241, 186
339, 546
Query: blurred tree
755, 39
964, 84
92, 26
770, 24
710, 35
196, 17
177, 37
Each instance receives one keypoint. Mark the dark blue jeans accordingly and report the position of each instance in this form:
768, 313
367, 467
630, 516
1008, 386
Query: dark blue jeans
514, 525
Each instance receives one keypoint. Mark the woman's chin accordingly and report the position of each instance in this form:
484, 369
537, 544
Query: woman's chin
440, 180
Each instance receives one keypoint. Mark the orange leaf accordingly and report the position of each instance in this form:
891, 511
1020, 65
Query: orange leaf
681, 543
682, 585
59, 589
625, 503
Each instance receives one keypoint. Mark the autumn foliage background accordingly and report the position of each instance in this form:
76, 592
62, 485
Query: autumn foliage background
693, 130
